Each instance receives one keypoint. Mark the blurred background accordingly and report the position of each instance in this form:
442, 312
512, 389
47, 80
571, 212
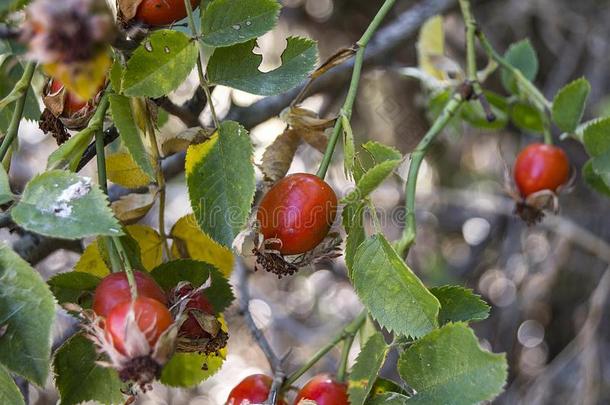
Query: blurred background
547, 284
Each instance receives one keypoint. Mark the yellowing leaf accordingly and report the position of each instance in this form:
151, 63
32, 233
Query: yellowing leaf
431, 44
191, 242
91, 262
151, 245
84, 78
122, 170
196, 153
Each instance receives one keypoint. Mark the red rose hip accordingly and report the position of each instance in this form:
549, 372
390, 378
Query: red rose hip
299, 210
324, 390
114, 289
72, 102
253, 389
162, 12
198, 303
152, 317
541, 167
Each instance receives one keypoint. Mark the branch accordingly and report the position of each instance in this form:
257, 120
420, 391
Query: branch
274, 361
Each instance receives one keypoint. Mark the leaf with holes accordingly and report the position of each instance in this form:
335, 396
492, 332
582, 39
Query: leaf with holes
64, 205
237, 67
449, 363
160, 64
228, 22
365, 370
221, 184
569, 104
391, 292
79, 378
27, 312
459, 304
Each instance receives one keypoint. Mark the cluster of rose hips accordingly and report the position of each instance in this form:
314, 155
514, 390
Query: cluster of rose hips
140, 335
322, 389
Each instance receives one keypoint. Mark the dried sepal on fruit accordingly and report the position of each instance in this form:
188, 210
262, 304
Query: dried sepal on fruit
134, 340
65, 110
202, 330
540, 174
71, 39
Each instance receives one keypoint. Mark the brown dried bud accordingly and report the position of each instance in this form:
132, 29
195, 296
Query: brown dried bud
66, 107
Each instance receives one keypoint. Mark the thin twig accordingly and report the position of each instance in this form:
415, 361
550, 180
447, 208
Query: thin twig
274, 361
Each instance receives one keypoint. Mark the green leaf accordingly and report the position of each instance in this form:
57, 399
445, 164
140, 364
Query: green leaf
448, 363
474, 114
459, 304
236, 66
601, 166
27, 312
353, 222
128, 130
160, 64
79, 378
383, 386
596, 137
169, 274
6, 195
389, 398
569, 104
594, 180
228, 22
522, 56
371, 179
380, 153
527, 118
10, 73
392, 293
189, 369
69, 154
365, 370
9, 392
63, 205
73, 286
221, 183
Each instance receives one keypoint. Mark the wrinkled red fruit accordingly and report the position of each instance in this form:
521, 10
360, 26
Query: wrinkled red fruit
162, 12
324, 390
72, 103
114, 289
191, 328
299, 210
252, 390
541, 167
153, 318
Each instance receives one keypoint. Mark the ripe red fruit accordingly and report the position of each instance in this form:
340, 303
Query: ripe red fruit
299, 210
324, 390
162, 12
152, 317
72, 102
191, 328
541, 167
252, 390
114, 289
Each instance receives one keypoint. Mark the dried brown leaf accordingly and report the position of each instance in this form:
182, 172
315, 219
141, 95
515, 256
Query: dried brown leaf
278, 156
181, 141
316, 139
338, 58
130, 208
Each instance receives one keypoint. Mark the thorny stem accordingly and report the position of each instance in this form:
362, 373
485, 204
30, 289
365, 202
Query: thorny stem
417, 157
203, 82
349, 332
353, 88
150, 128
22, 92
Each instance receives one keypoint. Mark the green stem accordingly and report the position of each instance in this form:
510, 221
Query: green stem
347, 345
417, 157
102, 180
523, 82
127, 266
21, 86
471, 59
202, 79
353, 88
348, 332
13, 128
